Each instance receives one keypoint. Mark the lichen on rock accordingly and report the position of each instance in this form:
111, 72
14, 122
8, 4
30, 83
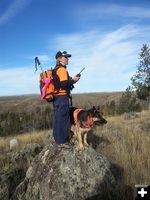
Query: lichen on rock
64, 174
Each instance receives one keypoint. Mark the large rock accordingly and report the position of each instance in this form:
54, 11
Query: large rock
27, 153
65, 174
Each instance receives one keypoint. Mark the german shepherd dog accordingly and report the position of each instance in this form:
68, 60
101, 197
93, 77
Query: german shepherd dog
84, 121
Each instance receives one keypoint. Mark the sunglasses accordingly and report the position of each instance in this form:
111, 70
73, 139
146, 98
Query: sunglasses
65, 56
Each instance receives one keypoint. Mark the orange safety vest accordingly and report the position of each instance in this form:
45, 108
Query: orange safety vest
63, 75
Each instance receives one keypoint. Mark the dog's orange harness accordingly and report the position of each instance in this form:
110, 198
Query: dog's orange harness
75, 115
88, 124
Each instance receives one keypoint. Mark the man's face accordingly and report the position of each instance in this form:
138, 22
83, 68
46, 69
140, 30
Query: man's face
63, 60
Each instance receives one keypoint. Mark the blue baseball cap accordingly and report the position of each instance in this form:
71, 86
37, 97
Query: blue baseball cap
62, 53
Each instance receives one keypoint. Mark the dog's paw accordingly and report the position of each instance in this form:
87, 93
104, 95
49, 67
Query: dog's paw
81, 147
86, 144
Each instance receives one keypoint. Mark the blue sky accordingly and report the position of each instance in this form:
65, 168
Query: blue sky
103, 36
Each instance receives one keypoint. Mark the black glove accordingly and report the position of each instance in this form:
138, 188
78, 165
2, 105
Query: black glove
78, 75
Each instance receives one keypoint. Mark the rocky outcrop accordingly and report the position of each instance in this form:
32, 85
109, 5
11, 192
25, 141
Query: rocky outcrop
26, 154
65, 174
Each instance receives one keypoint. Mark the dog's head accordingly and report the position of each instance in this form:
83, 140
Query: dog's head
97, 116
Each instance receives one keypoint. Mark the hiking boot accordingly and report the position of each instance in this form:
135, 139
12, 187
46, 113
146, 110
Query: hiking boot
65, 146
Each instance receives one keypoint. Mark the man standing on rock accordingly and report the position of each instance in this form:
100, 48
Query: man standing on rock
64, 83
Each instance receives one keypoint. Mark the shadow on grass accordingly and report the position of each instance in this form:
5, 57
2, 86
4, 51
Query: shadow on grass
96, 140
120, 191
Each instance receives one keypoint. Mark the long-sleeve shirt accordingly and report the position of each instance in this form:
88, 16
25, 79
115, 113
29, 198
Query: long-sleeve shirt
63, 82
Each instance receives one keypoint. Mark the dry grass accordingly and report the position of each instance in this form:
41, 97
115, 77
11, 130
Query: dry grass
24, 139
126, 143
29, 102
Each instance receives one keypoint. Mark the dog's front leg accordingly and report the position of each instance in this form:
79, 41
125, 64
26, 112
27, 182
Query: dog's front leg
79, 138
70, 136
85, 139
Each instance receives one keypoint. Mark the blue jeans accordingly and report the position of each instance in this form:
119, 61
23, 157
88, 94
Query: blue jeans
61, 119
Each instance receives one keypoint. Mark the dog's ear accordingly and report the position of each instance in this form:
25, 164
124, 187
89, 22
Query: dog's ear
93, 108
100, 109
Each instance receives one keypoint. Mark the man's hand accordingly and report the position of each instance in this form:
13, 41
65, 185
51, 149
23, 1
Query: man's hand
76, 78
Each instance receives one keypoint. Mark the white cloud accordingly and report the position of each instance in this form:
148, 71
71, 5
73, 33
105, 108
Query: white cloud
19, 80
44, 58
101, 10
15, 7
110, 58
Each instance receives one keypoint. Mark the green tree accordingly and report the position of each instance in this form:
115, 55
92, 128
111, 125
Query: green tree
141, 79
128, 102
111, 107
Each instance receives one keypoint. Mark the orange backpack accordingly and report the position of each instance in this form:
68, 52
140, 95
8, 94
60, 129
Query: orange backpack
47, 87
